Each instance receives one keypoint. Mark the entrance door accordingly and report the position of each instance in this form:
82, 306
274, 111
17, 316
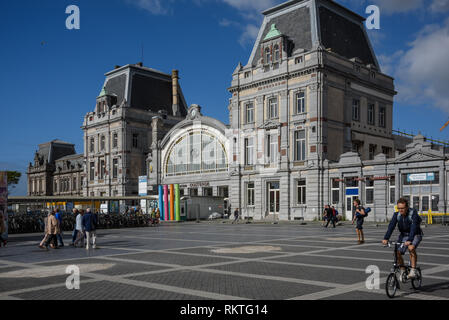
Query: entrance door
273, 197
349, 204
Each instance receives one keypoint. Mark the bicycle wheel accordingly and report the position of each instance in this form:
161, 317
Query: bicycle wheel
417, 282
391, 286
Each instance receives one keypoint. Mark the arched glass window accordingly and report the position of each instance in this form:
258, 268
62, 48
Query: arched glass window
195, 153
267, 55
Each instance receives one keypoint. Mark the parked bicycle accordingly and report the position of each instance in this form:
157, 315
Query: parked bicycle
396, 277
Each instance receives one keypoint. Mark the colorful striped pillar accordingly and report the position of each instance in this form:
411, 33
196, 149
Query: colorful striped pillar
161, 202
166, 213
177, 203
172, 202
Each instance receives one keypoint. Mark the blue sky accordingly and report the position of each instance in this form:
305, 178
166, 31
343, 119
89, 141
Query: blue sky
50, 76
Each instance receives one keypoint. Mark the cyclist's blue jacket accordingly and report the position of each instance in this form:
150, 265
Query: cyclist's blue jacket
410, 224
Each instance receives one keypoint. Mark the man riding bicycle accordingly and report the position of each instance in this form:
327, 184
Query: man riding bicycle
408, 222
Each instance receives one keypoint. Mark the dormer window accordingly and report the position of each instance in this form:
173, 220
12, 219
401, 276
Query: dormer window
267, 55
277, 53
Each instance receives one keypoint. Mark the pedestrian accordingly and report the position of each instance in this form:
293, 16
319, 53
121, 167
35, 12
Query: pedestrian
325, 217
79, 229
90, 226
329, 215
335, 213
236, 216
52, 231
58, 216
75, 231
46, 235
2, 229
358, 214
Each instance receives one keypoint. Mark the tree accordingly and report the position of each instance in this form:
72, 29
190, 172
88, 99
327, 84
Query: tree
13, 178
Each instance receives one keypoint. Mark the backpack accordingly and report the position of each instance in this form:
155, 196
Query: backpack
367, 210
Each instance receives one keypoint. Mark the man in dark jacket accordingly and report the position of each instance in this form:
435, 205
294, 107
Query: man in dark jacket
330, 215
408, 222
90, 226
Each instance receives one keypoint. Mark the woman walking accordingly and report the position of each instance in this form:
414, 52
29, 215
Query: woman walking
52, 230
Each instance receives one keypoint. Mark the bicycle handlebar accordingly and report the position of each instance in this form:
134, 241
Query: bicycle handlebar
390, 243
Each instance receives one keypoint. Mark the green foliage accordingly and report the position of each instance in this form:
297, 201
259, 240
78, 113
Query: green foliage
13, 178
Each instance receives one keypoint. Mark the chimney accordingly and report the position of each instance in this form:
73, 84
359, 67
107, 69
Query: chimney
175, 80
140, 64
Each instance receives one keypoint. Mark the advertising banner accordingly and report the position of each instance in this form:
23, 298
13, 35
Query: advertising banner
4, 201
143, 186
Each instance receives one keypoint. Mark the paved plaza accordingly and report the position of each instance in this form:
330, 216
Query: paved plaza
220, 261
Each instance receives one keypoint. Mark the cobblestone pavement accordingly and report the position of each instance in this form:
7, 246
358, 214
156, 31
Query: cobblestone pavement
221, 261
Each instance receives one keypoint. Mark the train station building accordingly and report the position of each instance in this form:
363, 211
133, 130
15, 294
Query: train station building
310, 124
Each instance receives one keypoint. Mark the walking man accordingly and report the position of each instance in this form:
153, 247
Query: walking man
359, 215
90, 226
330, 215
75, 231
236, 216
59, 234
79, 230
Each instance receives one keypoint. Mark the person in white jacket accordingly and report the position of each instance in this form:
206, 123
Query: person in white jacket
79, 228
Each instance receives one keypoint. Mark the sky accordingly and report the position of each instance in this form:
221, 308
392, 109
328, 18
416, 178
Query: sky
50, 76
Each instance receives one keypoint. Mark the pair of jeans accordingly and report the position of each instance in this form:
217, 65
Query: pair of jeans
91, 235
75, 233
331, 219
59, 237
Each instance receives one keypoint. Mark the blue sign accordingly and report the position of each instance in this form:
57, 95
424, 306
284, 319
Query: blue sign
352, 192
421, 177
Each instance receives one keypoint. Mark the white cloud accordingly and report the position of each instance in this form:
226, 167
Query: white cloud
249, 35
398, 6
153, 6
440, 5
423, 72
250, 5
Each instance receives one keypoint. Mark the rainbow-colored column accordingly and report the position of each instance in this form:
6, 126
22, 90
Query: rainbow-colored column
177, 203
172, 202
161, 202
166, 212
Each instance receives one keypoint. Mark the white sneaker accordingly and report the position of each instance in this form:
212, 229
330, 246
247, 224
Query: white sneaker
402, 272
412, 274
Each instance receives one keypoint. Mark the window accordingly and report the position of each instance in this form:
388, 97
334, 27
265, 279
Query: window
300, 145
193, 192
102, 143
250, 194
247, 74
386, 151
74, 187
335, 191
250, 113
102, 169
92, 145
382, 117
196, 152
249, 151
277, 54
298, 60
372, 151
56, 186
373, 74
301, 192
300, 105
267, 55
356, 110
115, 140
357, 68
92, 171
114, 168
135, 140
435, 200
392, 190
371, 114
356, 147
207, 192
272, 148
369, 190
273, 108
